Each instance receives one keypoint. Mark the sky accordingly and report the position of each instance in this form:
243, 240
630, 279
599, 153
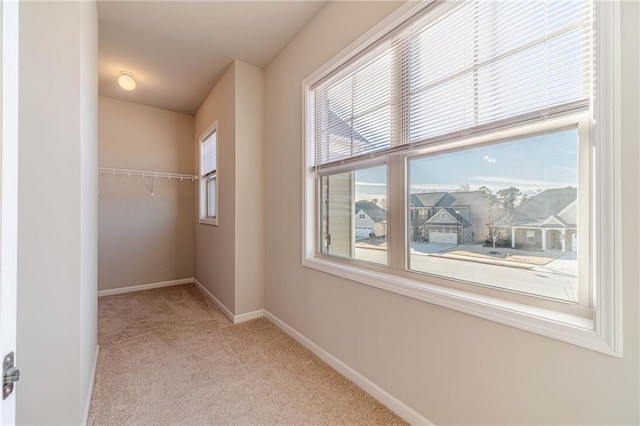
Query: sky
530, 164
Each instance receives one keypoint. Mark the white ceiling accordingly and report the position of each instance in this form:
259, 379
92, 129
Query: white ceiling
178, 50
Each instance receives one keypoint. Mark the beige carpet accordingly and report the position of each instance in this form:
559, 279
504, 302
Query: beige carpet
169, 356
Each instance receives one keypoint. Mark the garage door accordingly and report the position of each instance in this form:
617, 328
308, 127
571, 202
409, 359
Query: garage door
363, 231
443, 237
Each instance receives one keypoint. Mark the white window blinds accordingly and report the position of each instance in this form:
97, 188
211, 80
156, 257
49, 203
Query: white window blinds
209, 153
458, 69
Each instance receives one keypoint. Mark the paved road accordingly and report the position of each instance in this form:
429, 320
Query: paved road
539, 282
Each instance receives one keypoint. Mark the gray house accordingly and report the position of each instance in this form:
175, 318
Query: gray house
370, 220
547, 221
449, 217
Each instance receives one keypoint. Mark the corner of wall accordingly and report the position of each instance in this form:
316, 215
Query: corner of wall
249, 259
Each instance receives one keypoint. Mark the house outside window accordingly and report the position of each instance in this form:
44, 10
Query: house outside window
208, 198
486, 113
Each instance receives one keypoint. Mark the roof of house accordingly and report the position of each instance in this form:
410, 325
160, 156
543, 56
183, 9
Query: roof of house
375, 212
445, 199
461, 198
435, 219
556, 202
426, 199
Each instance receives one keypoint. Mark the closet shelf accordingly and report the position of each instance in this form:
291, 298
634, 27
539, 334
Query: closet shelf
146, 173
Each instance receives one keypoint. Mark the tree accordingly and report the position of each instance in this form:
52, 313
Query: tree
382, 203
499, 221
501, 206
509, 198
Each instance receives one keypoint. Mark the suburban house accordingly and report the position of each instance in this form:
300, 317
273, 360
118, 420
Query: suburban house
370, 220
449, 217
546, 221
203, 161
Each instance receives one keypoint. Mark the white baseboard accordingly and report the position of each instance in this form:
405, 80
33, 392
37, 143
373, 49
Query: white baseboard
215, 300
390, 401
141, 287
92, 380
248, 316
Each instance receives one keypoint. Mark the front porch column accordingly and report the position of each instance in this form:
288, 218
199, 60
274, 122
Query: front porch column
564, 243
513, 237
544, 239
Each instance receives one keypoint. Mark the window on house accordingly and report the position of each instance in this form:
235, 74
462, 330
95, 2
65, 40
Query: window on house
483, 111
209, 176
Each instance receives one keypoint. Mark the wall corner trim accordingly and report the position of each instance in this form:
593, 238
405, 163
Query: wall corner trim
390, 401
92, 380
141, 287
226, 311
248, 316
235, 319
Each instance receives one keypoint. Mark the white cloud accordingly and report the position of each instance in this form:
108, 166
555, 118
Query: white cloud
371, 184
431, 187
369, 197
523, 184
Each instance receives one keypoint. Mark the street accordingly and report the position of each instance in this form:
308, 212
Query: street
533, 281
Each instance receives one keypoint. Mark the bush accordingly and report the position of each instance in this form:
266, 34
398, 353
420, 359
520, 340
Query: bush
504, 243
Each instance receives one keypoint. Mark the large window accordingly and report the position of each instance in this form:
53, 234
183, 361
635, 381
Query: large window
209, 176
456, 156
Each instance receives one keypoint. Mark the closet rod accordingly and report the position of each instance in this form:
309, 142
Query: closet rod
146, 173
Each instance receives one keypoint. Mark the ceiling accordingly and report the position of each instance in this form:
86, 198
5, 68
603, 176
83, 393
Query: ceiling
178, 50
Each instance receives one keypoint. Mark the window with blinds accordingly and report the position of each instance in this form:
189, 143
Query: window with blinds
465, 156
457, 69
209, 154
209, 175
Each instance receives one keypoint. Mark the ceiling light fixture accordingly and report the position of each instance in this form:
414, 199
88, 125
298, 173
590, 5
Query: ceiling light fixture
126, 80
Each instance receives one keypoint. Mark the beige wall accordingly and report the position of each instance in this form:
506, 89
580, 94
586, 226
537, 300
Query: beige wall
144, 238
229, 259
215, 245
249, 189
57, 210
451, 367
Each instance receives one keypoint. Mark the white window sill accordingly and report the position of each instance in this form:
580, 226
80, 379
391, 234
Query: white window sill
565, 327
213, 222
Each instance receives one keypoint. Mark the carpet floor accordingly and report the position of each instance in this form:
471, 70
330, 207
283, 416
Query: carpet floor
170, 357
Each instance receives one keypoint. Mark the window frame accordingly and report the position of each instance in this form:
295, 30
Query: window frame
600, 332
204, 179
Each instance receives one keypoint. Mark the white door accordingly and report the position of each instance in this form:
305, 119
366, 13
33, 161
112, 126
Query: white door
8, 192
443, 237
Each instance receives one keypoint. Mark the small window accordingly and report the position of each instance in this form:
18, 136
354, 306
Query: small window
209, 176
443, 216
344, 193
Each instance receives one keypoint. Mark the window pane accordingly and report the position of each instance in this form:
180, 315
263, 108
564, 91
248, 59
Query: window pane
209, 154
353, 114
353, 215
211, 196
503, 215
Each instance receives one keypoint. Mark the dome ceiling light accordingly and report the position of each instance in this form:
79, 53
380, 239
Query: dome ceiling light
126, 80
